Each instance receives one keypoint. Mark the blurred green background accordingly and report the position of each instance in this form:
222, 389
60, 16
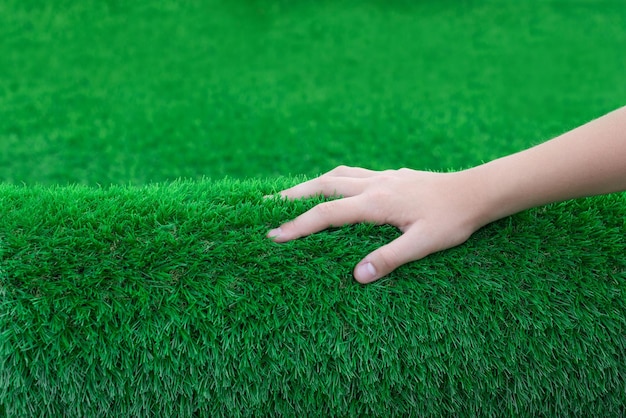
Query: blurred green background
101, 92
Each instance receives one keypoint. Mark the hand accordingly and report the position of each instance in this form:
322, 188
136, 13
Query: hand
434, 211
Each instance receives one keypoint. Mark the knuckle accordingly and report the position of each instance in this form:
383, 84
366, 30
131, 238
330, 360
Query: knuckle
325, 210
380, 195
326, 184
389, 259
339, 170
387, 177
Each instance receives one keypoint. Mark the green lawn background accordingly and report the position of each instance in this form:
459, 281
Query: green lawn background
102, 92
167, 299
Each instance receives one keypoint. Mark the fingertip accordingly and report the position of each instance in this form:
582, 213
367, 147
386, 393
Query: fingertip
275, 234
365, 272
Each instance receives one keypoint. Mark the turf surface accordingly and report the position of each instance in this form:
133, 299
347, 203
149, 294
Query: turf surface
168, 301
126, 292
101, 92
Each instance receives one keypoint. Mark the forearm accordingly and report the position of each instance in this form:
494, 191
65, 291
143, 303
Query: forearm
586, 161
436, 211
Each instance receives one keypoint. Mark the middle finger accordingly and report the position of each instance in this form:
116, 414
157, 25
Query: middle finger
327, 186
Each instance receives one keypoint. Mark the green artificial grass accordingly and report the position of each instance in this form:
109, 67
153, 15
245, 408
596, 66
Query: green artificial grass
168, 300
101, 92
132, 286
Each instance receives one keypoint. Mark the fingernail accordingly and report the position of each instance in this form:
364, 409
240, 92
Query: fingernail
365, 272
274, 233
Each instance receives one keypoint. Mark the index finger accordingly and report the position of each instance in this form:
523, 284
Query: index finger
325, 215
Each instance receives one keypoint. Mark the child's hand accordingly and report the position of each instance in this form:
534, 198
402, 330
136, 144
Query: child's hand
435, 211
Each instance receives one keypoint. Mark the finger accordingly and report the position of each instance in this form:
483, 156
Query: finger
325, 215
406, 248
355, 172
327, 186
314, 188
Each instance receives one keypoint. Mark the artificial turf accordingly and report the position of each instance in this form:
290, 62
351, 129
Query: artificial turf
126, 291
168, 300
100, 92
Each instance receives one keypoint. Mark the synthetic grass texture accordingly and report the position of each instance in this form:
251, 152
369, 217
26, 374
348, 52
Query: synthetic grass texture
164, 300
168, 300
111, 92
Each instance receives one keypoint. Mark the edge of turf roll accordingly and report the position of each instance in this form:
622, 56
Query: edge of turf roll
169, 300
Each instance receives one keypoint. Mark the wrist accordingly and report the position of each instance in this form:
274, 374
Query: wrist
474, 196
489, 199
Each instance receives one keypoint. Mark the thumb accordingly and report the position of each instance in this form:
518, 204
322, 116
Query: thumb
406, 248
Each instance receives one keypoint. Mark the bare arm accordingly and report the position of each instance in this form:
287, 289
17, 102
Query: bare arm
586, 161
436, 211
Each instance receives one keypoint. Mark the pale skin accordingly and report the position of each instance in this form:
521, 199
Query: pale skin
437, 211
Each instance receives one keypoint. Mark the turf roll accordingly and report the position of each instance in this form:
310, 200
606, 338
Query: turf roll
168, 300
